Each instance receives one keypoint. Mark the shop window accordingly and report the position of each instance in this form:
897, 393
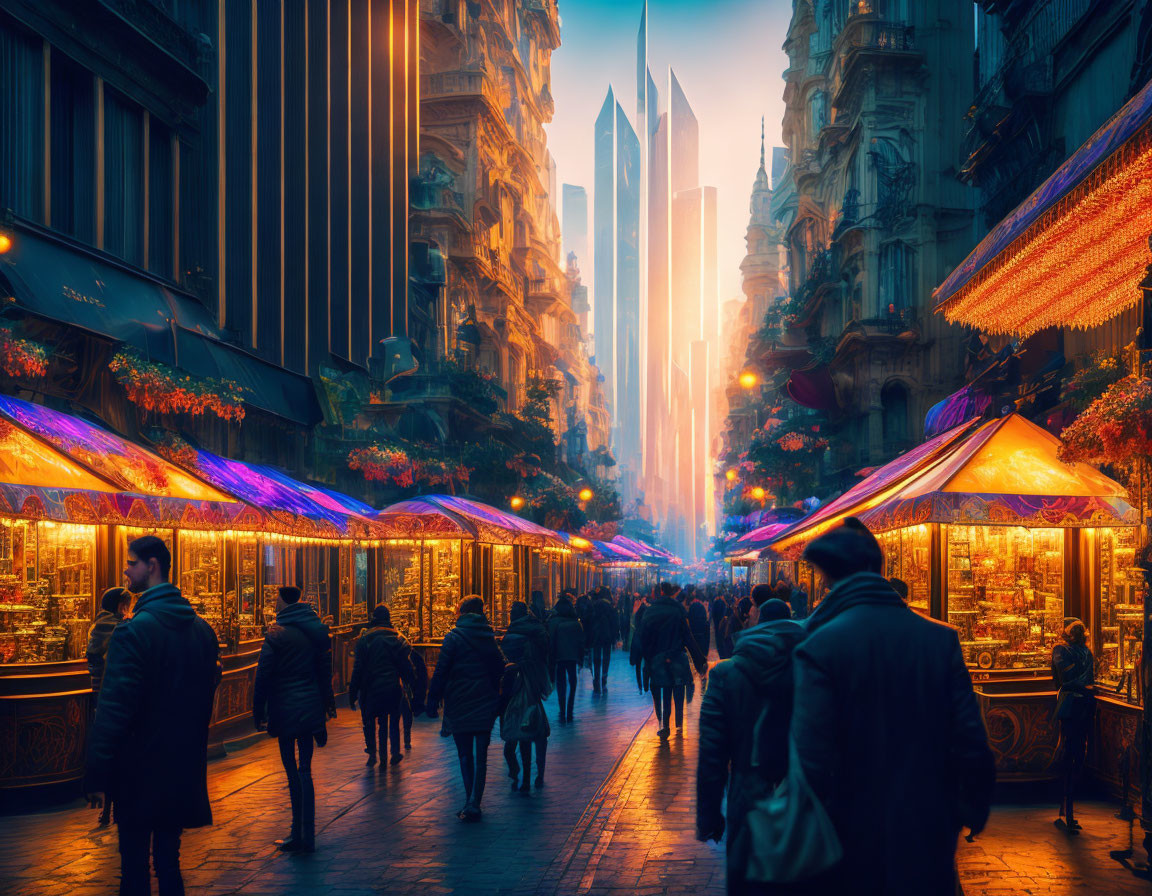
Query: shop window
442, 584
503, 583
73, 160
315, 583
242, 590
895, 278
21, 121
160, 206
400, 586
123, 177
1119, 639
201, 579
1005, 592
353, 584
907, 556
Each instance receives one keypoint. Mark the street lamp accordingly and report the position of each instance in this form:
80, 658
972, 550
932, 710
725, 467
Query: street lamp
586, 494
748, 379
730, 475
758, 493
517, 502
5, 243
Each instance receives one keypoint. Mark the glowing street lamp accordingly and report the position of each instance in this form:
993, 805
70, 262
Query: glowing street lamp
5, 243
748, 379
758, 493
586, 494
517, 502
730, 475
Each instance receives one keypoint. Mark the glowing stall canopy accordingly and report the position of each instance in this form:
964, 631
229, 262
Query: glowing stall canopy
448, 516
1006, 473
27, 461
1074, 252
647, 551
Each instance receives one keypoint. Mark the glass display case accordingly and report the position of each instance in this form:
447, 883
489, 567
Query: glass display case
1005, 594
908, 556
315, 584
1119, 636
279, 568
399, 576
199, 574
442, 584
353, 566
503, 583
242, 580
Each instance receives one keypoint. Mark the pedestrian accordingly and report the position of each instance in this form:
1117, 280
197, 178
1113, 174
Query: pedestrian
744, 719
583, 602
719, 612
1073, 669
523, 720
635, 653
887, 728
149, 741
381, 669
467, 677
601, 631
734, 622
666, 643
624, 617
414, 694
292, 699
900, 587
114, 606
698, 622
566, 648
538, 606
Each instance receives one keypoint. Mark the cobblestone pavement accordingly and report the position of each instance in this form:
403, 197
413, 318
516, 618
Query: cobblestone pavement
615, 817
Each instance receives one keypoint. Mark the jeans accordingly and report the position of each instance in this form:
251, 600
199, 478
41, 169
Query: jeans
601, 657
566, 676
389, 724
300, 788
662, 700
472, 749
165, 846
525, 747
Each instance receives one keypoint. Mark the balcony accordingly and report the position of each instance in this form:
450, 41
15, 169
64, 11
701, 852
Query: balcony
501, 274
444, 17
458, 85
867, 37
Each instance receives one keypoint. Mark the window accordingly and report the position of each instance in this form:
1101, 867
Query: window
894, 405
160, 211
123, 178
895, 278
21, 122
73, 137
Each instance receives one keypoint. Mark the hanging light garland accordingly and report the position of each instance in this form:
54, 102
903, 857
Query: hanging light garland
1080, 265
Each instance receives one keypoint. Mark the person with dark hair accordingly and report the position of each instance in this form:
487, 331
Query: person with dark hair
292, 699
537, 606
698, 622
114, 606
624, 618
635, 653
523, 721
1074, 671
900, 587
720, 611
601, 631
468, 673
381, 669
149, 742
744, 731
414, 694
892, 684
666, 643
566, 649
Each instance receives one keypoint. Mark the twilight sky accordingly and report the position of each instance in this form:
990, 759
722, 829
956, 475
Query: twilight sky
727, 57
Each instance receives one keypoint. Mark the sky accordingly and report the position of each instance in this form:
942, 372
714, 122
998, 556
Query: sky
727, 56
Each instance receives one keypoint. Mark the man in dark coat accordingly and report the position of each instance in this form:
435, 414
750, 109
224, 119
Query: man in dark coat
292, 698
887, 728
698, 622
666, 643
566, 651
748, 703
719, 610
523, 721
635, 653
414, 694
114, 605
149, 742
467, 677
601, 632
381, 668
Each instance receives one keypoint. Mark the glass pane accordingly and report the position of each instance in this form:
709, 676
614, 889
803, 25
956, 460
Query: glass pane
1006, 594
400, 581
247, 570
503, 584
66, 562
201, 580
1121, 640
279, 569
23, 604
315, 583
442, 570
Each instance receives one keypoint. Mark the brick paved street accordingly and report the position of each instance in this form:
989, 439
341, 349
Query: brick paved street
615, 817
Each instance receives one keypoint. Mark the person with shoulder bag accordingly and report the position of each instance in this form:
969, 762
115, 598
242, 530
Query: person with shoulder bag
523, 720
1074, 671
381, 669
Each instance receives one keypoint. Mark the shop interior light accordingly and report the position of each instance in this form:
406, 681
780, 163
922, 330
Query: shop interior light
517, 502
730, 475
758, 493
585, 494
5, 243
748, 379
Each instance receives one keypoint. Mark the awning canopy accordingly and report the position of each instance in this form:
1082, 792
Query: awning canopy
1074, 252
614, 554
1006, 473
752, 545
646, 551
449, 516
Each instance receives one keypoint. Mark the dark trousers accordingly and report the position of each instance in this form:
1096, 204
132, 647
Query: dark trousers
1074, 739
640, 675
601, 657
525, 747
301, 791
135, 843
472, 749
701, 635
566, 687
662, 701
406, 717
386, 717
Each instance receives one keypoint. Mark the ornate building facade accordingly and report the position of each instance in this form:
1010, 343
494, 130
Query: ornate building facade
875, 94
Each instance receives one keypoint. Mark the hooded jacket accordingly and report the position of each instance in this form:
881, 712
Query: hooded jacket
525, 647
601, 628
664, 633
98, 637
380, 669
467, 676
753, 688
149, 742
293, 689
565, 634
889, 732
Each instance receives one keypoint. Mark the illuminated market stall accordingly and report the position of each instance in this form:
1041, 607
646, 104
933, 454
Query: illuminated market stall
622, 568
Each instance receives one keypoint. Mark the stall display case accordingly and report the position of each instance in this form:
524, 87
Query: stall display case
503, 583
315, 582
1005, 594
1119, 629
399, 577
443, 584
279, 559
353, 570
907, 556
242, 583
200, 576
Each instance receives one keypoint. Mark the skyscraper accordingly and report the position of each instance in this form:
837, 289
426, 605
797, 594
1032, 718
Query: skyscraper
574, 228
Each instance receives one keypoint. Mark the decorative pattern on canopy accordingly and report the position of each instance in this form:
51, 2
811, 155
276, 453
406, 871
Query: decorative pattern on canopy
610, 554
1074, 252
447, 516
647, 551
751, 545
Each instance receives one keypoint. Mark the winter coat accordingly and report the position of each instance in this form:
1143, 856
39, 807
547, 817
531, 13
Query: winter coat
293, 688
149, 742
664, 638
381, 667
467, 677
888, 730
98, 637
698, 623
419, 687
526, 682
601, 625
1075, 673
565, 635
752, 689
635, 651
583, 602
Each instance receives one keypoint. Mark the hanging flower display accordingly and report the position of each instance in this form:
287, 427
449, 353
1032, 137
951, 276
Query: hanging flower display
157, 387
383, 464
443, 472
173, 448
22, 357
1115, 429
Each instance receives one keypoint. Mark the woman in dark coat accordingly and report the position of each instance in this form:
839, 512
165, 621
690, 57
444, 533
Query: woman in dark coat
566, 647
1073, 669
523, 721
635, 654
666, 642
467, 678
292, 697
114, 606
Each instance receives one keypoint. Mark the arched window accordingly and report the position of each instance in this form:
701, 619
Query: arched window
896, 281
894, 405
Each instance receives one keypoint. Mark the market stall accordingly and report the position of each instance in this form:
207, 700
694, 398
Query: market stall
622, 568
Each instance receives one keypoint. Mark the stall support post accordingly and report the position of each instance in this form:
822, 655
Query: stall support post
936, 571
1143, 345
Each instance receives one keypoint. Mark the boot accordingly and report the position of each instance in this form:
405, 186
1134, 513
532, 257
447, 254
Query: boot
371, 760
541, 755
